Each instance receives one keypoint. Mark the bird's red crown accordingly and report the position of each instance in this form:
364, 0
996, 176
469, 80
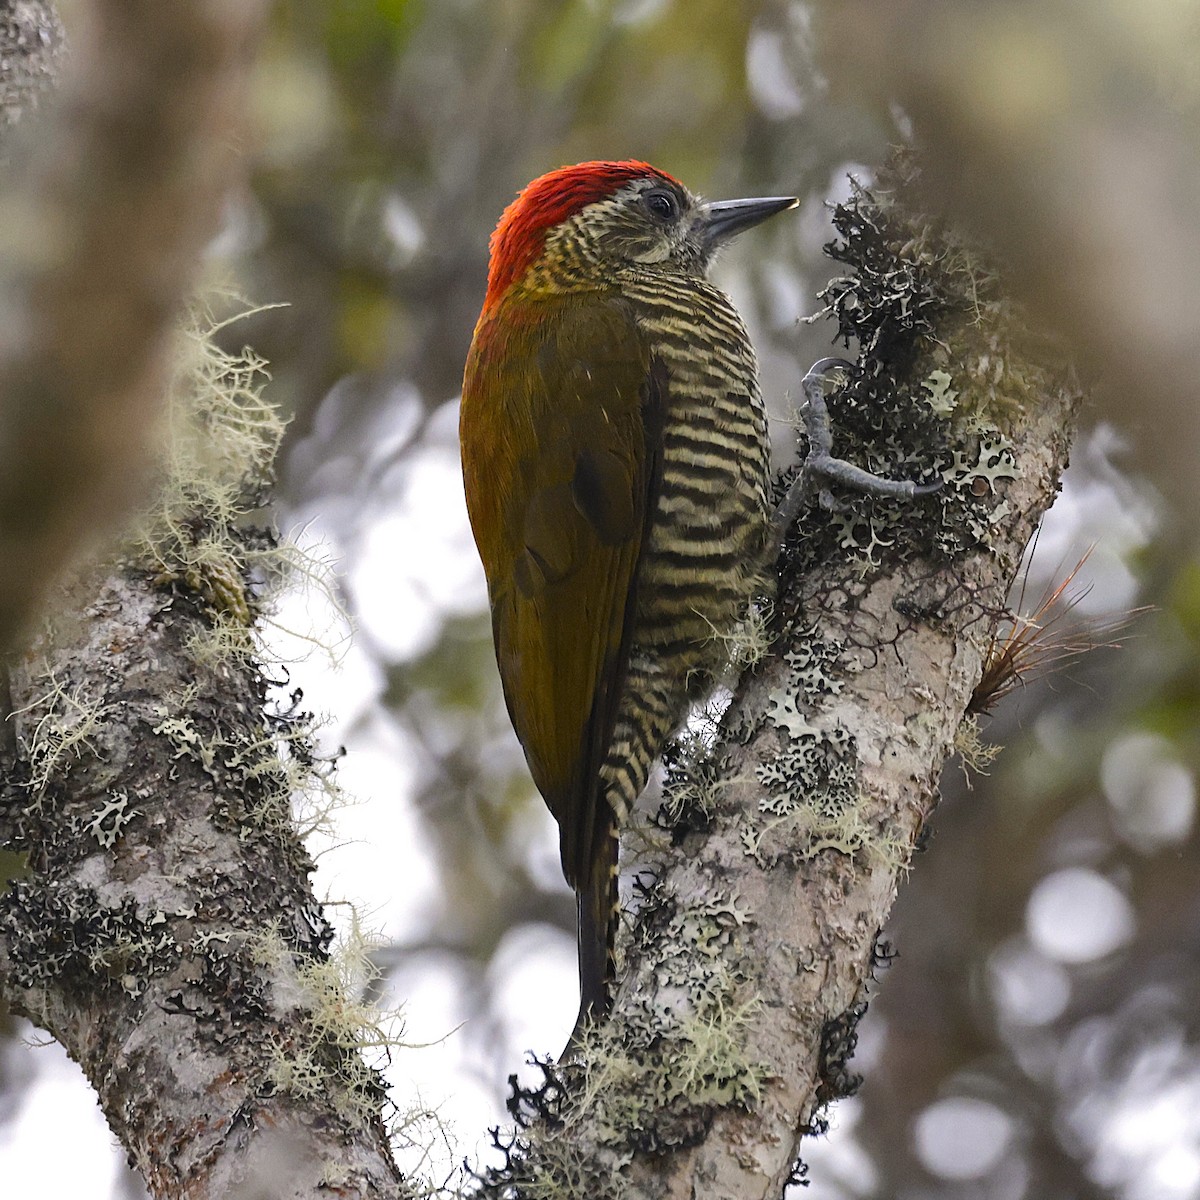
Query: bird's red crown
542, 204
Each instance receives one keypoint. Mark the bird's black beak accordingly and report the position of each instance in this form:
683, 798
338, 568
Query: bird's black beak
725, 219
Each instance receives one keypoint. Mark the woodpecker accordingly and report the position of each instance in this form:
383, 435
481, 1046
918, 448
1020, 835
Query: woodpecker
615, 459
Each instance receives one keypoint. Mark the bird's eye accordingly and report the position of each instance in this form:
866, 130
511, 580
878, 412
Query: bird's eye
661, 203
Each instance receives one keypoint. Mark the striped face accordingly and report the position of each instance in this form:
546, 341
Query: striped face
648, 222
598, 221
520, 238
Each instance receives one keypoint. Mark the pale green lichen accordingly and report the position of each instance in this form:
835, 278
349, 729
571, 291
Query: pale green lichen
653, 1081
974, 753
179, 727
941, 396
220, 443
649, 1091
110, 819
221, 438
66, 721
289, 786
810, 801
693, 782
749, 642
816, 662
339, 1039
681, 1049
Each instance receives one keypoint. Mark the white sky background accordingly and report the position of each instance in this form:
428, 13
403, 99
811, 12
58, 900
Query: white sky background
412, 562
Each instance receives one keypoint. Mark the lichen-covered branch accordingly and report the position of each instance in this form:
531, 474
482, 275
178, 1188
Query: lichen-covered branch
103, 220
164, 931
783, 835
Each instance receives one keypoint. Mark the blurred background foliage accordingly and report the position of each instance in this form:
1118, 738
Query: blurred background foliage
1038, 1033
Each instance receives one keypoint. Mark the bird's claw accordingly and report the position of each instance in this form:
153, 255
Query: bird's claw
820, 462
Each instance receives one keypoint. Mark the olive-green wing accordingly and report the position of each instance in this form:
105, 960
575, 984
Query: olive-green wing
561, 424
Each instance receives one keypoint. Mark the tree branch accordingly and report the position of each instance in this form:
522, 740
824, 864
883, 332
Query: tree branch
165, 932
748, 959
101, 235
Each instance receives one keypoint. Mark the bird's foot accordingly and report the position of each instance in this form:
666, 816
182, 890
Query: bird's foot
820, 464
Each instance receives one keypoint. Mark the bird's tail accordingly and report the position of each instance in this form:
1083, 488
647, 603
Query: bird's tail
598, 906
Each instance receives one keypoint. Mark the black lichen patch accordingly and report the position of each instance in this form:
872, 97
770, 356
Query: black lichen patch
535, 1163
835, 1081
839, 1037
937, 384
543, 1102
883, 954
231, 978
810, 796
797, 1177
67, 933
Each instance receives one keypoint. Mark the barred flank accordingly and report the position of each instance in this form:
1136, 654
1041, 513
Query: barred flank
708, 543
703, 560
